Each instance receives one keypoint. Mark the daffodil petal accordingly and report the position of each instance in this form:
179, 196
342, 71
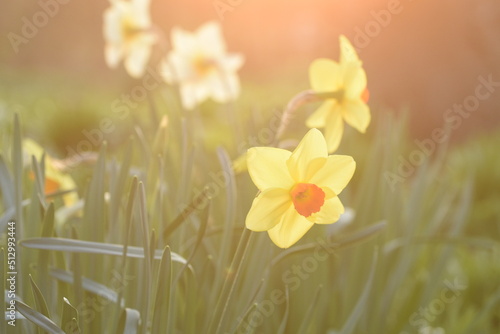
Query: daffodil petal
334, 129
291, 228
233, 62
330, 212
347, 51
319, 117
267, 167
324, 75
183, 41
188, 95
137, 59
113, 54
354, 81
209, 36
267, 209
224, 87
357, 114
335, 173
312, 146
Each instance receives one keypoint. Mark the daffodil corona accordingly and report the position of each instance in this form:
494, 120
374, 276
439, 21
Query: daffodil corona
346, 82
297, 189
128, 35
200, 65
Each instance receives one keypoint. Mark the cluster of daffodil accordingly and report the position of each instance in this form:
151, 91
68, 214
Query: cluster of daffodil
198, 62
299, 189
296, 189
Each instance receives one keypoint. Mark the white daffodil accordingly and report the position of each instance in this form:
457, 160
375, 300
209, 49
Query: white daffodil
128, 35
200, 65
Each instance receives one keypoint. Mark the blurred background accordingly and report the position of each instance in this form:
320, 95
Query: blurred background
422, 55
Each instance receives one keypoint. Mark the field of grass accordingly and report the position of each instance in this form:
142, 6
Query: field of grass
156, 240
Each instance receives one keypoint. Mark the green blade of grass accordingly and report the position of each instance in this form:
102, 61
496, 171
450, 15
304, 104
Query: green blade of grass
39, 172
40, 303
163, 286
282, 328
126, 238
228, 287
243, 318
195, 203
38, 318
117, 188
309, 315
69, 318
6, 185
44, 256
87, 284
90, 247
129, 322
353, 239
199, 239
94, 209
77, 272
360, 308
230, 216
147, 257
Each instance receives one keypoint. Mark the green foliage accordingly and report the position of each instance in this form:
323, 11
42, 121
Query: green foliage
158, 243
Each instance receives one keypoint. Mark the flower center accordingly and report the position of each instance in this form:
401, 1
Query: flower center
51, 185
203, 65
307, 198
129, 29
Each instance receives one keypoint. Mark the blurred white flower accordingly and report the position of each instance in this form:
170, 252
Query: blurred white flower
200, 65
128, 35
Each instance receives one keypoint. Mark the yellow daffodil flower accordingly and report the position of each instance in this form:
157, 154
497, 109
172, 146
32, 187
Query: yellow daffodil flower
297, 189
55, 180
346, 82
128, 35
200, 65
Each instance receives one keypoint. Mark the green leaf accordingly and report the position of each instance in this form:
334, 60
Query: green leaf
6, 185
44, 256
349, 241
282, 329
40, 303
38, 318
360, 308
309, 315
148, 273
87, 284
194, 205
163, 286
77, 272
90, 247
129, 322
69, 319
